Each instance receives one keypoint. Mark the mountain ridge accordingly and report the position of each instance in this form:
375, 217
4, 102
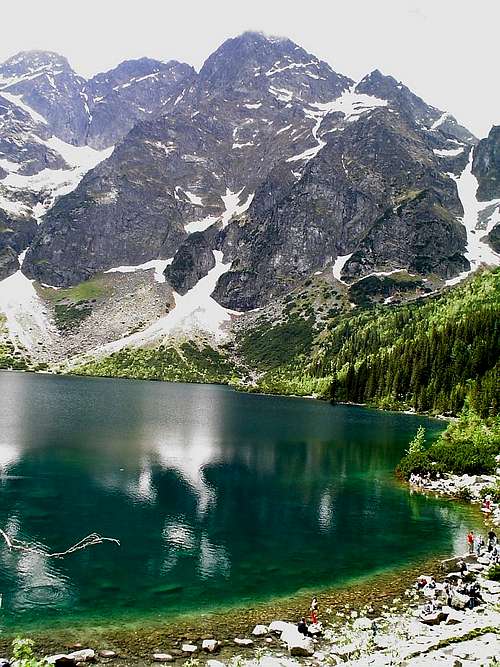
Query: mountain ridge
263, 171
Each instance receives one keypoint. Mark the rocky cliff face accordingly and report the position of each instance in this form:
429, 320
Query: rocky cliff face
486, 165
134, 91
199, 161
55, 126
486, 168
375, 193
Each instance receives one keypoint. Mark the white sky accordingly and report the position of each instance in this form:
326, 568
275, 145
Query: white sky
444, 50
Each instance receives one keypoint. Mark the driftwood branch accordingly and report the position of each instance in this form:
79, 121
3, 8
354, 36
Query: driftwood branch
89, 541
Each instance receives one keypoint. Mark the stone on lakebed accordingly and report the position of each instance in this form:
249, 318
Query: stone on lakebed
210, 645
162, 657
243, 642
189, 648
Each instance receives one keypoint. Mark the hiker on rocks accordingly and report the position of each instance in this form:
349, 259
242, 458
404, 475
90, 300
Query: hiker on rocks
314, 610
470, 541
302, 627
475, 597
492, 540
462, 567
479, 544
448, 592
486, 506
495, 554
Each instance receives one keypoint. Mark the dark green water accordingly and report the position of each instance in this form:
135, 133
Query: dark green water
218, 498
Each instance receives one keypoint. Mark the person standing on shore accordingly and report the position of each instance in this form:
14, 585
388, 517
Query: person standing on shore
470, 541
492, 539
314, 610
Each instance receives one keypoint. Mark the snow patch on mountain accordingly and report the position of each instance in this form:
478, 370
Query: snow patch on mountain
448, 152
281, 94
339, 264
351, 104
26, 318
55, 183
18, 101
275, 69
13, 206
194, 311
159, 266
7, 165
444, 116
194, 199
201, 225
478, 252
233, 206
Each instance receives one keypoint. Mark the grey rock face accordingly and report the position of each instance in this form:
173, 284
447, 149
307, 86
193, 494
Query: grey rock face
406, 102
192, 261
15, 236
314, 167
223, 134
486, 165
134, 91
9, 263
494, 238
41, 98
418, 235
47, 84
375, 189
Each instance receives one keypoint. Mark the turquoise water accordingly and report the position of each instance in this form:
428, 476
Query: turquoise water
218, 498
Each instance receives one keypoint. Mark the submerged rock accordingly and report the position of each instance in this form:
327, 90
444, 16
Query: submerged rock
210, 645
162, 657
189, 648
243, 642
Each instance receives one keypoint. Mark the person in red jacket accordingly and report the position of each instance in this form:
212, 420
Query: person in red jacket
470, 541
314, 610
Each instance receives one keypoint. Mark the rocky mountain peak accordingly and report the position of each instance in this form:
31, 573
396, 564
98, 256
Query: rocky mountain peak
30, 62
404, 100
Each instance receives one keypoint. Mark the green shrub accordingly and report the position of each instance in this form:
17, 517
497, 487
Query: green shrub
494, 573
468, 446
23, 655
493, 491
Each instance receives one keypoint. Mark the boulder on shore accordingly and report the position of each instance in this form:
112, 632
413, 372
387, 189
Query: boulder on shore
301, 647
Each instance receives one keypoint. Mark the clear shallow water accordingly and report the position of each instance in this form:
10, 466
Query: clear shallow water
218, 498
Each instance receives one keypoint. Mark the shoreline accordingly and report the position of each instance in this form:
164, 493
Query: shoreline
237, 389
135, 643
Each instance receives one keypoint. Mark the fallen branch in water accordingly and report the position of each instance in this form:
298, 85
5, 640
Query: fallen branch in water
89, 541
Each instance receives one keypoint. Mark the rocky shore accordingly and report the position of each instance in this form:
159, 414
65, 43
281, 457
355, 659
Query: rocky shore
473, 488
414, 629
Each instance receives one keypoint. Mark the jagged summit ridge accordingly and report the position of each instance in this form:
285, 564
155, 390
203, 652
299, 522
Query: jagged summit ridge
257, 173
